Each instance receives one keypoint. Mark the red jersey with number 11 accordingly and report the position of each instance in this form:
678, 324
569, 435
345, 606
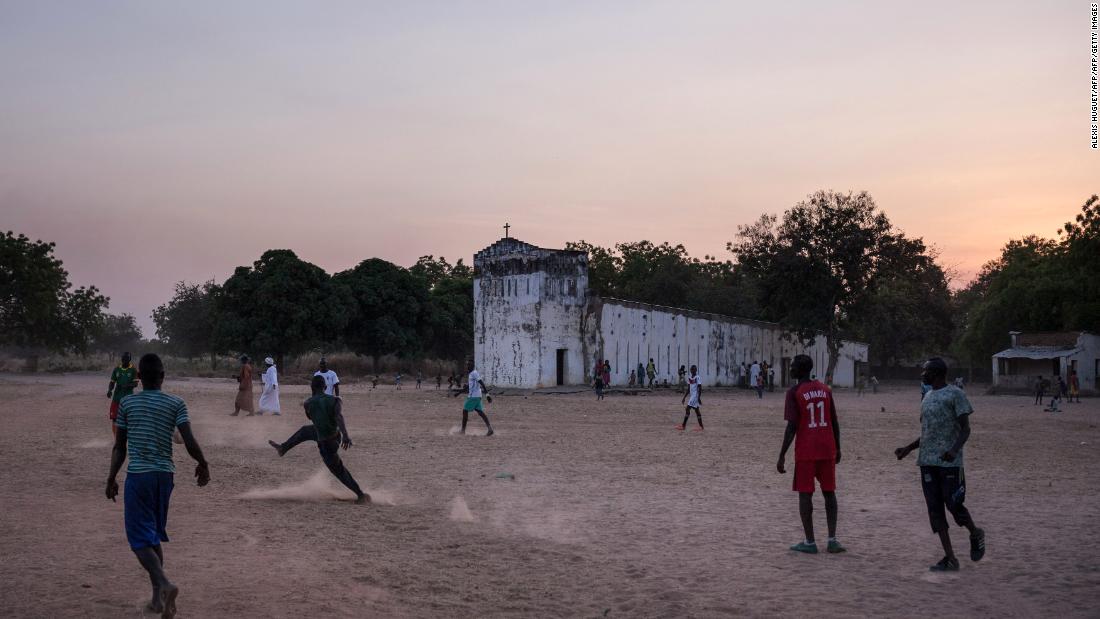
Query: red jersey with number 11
810, 408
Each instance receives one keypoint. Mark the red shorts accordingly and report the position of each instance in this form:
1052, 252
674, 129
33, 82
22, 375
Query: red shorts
114, 410
805, 471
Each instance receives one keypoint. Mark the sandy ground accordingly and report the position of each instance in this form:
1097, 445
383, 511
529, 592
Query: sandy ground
611, 511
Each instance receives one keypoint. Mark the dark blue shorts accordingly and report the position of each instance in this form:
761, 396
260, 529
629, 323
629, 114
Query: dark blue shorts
145, 504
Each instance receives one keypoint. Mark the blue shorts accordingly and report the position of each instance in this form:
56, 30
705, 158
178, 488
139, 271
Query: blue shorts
145, 504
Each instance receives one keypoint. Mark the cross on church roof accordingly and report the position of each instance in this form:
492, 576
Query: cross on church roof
506, 226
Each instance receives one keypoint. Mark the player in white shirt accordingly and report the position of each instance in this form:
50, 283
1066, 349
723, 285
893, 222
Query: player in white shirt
332, 381
694, 399
474, 388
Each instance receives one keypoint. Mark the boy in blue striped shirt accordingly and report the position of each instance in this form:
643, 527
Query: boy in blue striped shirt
146, 422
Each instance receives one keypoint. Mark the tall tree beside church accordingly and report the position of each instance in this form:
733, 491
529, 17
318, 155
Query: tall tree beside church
38, 308
817, 266
280, 306
389, 307
449, 324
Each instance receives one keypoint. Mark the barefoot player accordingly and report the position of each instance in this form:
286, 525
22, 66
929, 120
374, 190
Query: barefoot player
812, 425
123, 381
146, 422
944, 429
694, 398
474, 388
330, 433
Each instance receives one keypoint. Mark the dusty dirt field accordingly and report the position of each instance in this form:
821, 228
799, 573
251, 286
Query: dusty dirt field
612, 512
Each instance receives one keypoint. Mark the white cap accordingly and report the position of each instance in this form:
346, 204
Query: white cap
269, 361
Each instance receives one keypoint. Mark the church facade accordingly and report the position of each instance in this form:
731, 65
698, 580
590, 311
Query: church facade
537, 325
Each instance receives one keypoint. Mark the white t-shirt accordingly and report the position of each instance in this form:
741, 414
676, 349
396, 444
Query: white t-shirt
331, 380
754, 373
475, 386
693, 391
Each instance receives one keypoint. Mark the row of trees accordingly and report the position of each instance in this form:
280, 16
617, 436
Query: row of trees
832, 264
284, 306
40, 310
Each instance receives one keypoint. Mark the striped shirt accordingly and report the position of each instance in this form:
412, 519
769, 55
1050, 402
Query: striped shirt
150, 418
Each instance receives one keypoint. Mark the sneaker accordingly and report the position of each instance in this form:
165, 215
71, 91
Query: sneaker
835, 547
362, 499
489, 433
977, 545
808, 548
946, 564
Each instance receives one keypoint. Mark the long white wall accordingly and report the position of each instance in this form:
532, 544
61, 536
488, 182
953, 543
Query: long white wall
628, 333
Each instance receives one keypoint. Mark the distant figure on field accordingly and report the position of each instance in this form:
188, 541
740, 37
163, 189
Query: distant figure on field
633, 379
681, 379
959, 382
651, 372
397, 380
606, 374
1055, 403
945, 427
419, 378
1074, 387
146, 422
327, 429
244, 389
332, 381
1041, 386
374, 382
123, 381
771, 379
451, 381
269, 398
756, 379
598, 386
641, 374
1063, 388
874, 384
742, 375
812, 426
693, 399
474, 388
438, 382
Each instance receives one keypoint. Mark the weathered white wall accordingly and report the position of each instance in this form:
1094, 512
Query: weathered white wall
1025, 371
628, 333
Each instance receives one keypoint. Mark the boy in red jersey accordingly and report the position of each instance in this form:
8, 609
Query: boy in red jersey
811, 419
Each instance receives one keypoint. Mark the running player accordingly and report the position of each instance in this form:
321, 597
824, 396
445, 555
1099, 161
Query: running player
146, 423
123, 381
695, 393
474, 388
945, 427
812, 425
330, 433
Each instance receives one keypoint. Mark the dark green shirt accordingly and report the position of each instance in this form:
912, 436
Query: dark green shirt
322, 412
125, 380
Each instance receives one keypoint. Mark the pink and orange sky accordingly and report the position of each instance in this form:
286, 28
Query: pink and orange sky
156, 142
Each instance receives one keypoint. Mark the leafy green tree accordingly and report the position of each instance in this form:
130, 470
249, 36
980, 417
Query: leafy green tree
818, 266
389, 309
119, 333
280, 306
37, 307
186, 323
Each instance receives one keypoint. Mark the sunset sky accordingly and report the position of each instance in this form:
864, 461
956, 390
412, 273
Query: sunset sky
158, 141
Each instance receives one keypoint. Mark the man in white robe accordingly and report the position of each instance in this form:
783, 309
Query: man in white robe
269, 399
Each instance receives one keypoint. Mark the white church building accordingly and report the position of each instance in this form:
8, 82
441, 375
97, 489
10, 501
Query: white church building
537, 325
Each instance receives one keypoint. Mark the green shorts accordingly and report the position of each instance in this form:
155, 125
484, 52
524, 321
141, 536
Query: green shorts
473, 404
